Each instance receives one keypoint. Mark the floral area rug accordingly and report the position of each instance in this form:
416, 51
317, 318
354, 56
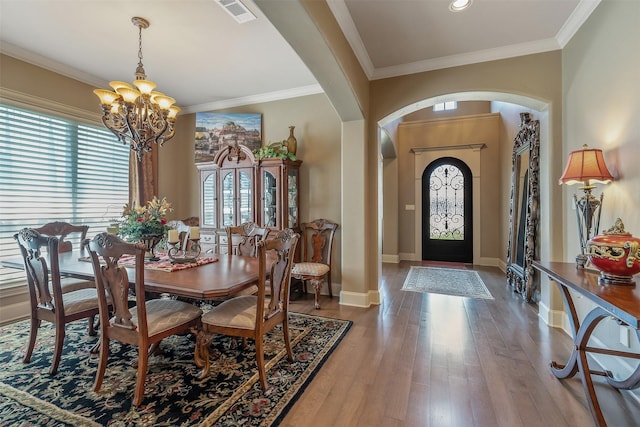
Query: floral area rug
174, 396
446, 281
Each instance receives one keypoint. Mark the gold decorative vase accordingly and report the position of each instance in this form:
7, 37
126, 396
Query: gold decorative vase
292, 142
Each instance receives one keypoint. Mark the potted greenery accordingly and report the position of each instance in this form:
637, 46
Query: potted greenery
276, 150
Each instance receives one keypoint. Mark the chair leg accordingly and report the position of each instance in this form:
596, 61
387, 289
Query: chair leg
287, 338
35, 325
201, 355
329, 284
92, 328
260, 362
317, 284
57, 351
102, 363
141, 376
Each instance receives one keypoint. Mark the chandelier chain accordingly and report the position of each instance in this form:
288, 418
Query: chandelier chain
140, 45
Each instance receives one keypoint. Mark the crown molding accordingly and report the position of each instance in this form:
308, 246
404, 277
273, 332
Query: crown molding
255, 99
486, 55
51, 65
575, 21
340, 11
348, 27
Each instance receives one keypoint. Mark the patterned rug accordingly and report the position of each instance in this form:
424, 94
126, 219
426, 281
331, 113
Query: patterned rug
174, 396
446, 281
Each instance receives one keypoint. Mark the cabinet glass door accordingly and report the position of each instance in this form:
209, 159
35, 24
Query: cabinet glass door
245, 199
228, 198
209, 201
292, 194
270, 210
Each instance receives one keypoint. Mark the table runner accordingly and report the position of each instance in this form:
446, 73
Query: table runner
164, 264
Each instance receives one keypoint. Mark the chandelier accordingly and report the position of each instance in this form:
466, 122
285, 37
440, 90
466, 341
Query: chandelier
138, 115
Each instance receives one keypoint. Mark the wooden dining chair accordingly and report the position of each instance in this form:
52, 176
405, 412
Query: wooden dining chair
143, 325
47, 300
63, 230
252, 316
317, 248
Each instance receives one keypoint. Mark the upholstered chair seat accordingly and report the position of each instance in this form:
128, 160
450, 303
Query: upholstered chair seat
310, 269
164, 314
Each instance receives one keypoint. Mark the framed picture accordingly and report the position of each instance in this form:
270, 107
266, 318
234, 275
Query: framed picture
214, 130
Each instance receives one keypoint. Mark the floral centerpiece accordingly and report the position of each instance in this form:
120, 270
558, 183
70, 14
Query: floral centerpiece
138, 222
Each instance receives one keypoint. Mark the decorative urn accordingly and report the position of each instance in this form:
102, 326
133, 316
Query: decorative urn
616, 254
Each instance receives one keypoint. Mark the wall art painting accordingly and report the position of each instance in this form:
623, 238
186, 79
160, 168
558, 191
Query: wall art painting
214, 130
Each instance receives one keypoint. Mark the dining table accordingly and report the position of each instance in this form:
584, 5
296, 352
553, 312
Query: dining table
226, 276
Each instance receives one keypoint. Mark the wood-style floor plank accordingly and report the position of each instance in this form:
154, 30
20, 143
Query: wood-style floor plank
429, 360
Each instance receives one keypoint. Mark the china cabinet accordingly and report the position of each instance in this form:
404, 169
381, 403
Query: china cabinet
278, 199
236, 188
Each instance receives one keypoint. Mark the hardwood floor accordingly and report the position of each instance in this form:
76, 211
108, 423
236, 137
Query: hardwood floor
435, 360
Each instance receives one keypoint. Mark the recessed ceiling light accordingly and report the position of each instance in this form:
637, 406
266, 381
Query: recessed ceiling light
458, 5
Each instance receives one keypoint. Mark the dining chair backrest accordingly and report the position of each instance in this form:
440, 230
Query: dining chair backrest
317, 241
43, 276
61, 230
112, 281
275, 272
243, 239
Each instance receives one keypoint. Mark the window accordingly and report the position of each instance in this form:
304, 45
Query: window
445, 106
54, 169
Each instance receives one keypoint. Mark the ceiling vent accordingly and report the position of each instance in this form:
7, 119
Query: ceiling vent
238, 10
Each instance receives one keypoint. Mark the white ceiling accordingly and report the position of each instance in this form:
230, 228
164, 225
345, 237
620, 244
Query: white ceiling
197, 53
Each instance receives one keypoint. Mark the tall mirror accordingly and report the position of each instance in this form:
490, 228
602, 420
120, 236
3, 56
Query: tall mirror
523, 215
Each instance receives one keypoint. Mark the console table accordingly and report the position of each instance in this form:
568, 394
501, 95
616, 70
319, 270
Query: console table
620, 302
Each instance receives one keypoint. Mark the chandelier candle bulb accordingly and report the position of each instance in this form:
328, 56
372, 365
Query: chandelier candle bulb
194, 233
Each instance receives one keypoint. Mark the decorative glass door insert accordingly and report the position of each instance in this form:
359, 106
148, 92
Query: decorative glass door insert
446, 214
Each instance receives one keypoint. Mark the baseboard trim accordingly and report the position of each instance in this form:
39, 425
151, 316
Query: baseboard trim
392, 259
14, 312
359, 299
554, 318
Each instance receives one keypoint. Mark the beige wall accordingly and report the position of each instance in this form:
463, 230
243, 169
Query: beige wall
601, 108
479, 129
531, 79
317, 129
465, 108
24, 78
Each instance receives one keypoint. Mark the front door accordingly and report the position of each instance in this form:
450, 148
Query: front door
447, 222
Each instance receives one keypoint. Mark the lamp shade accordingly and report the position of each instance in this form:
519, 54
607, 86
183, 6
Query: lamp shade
584, 165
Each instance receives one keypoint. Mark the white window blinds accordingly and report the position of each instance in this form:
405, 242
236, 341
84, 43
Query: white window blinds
54, 169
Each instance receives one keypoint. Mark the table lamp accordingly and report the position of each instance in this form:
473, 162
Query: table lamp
586, 166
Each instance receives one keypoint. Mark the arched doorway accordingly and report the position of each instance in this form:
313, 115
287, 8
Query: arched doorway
447, 211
